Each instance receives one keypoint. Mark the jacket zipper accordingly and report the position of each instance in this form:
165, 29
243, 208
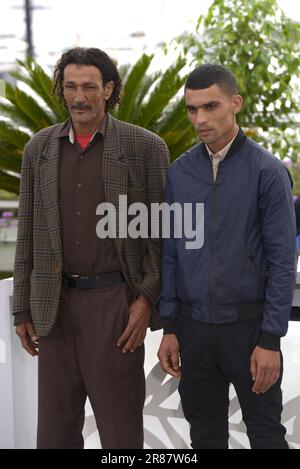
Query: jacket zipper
212, 250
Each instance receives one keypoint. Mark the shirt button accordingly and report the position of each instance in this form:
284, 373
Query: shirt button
77, 243
78, 214
79, 185
81, 157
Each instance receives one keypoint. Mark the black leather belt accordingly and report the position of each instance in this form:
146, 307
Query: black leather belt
106, 279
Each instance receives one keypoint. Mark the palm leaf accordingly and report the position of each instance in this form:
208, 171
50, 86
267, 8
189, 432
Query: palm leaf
174, 118
37, 79
17, 116
123, 71
45, 83
168, 86
31, 108
182, 145
13, 136
10, 150
131, 87
51, 101
149, 101
9, 183
9, 163
15, 109
147, 83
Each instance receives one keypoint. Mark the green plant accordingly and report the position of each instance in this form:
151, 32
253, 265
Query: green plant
261, 46
4, 195
4, 275
149, 100
22, 111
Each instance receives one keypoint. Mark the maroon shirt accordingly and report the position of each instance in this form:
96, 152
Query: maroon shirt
81, 190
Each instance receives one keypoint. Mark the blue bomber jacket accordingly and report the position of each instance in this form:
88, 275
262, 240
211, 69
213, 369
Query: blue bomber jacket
246, 265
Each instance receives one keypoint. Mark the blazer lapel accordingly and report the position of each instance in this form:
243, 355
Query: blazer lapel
114, 172
114, 175
49, 176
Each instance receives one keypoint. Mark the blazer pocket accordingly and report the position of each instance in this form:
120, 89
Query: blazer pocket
136, 191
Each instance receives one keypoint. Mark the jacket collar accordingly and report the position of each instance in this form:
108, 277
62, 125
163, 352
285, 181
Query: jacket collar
237, 143
68, 131
111, 141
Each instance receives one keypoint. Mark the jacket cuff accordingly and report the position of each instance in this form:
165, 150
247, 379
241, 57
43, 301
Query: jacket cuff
147, 298
269, 341
147, 295
169, 327
22, 318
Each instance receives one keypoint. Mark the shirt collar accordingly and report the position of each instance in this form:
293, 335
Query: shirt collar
223, 152
67, 130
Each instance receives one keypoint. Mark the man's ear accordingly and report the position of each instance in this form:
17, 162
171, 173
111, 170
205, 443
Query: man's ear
237, 103
108, 89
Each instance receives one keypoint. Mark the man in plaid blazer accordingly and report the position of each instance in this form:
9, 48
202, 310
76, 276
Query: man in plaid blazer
81, 302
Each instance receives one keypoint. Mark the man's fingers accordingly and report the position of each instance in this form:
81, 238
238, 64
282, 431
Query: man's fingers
168, 354
167, 365
267, 382
170, 364
175, 360
258, 383
28, 338
31, 332
265, 368
270, 379
253, 370
129, 346
264, 381
275, 376
132, 338
125, 336
28, 346
139, 340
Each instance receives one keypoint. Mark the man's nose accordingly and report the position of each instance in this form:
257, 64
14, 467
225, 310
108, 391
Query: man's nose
79, 96
201, 118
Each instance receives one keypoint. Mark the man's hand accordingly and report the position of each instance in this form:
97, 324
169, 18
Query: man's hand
168, 355
264, 368
28, 337
135, 332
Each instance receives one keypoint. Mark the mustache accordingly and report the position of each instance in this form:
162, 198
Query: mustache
81, 107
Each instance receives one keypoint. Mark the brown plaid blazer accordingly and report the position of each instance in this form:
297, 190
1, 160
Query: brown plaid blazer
135, 162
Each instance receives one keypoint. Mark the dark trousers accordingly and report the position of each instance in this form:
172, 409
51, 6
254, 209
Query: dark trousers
80, 358
213, 356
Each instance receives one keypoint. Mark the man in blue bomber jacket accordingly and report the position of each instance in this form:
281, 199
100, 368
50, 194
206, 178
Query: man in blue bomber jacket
224, 306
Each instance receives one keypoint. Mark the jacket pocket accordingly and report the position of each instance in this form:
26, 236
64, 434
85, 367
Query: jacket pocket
259, 276
136, 191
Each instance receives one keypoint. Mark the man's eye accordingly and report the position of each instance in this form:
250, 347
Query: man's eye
191, 110
210, 107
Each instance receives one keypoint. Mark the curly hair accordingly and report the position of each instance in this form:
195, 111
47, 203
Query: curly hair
89, 56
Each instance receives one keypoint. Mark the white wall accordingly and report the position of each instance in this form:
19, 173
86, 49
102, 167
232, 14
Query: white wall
164, 424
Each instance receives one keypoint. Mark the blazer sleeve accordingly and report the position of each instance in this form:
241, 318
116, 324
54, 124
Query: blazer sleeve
156, 166
24, 250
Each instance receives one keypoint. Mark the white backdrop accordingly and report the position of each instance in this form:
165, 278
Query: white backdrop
165, 426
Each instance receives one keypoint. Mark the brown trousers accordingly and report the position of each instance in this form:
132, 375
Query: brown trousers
80, 358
